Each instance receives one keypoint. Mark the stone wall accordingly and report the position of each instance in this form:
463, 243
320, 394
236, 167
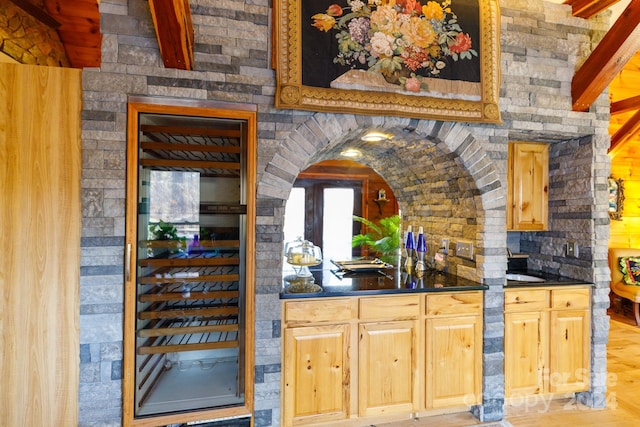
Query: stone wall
449, 177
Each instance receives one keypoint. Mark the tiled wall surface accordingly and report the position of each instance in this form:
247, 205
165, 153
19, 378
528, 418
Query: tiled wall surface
449, 177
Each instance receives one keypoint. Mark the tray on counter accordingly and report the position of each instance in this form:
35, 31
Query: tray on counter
362, 265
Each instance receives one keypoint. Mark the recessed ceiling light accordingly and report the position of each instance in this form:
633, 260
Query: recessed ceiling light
351, 153
375, 136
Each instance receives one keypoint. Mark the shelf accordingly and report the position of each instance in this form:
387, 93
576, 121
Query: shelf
188, 262
158, 281
181, 312
182, 329
190, 335
173, 296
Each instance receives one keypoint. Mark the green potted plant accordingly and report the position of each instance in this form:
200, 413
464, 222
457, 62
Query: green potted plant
167, 231
382, 238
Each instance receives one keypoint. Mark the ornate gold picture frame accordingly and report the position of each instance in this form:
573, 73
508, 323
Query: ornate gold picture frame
616, 198
438, 60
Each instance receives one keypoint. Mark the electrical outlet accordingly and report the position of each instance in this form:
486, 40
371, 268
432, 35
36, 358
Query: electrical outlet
464, 250
572, 249
445, 246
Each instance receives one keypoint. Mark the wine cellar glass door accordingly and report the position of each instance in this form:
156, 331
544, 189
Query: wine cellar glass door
192, 292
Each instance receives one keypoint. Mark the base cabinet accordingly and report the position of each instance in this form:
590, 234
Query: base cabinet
453, 350
316, 381
386, 368
348, 361
547, 341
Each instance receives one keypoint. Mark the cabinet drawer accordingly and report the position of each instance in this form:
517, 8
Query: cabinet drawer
526, 300
329, 309
454, 303
390, 308
570, 298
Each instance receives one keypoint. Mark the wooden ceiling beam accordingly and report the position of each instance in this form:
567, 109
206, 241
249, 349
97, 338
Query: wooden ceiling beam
608, 58
79, 30
626, 132
625, 105
174, 30
588, 8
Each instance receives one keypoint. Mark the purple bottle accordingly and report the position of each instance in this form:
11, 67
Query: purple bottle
410, 247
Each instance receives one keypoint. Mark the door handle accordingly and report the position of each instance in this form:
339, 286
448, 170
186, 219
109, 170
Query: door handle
128, 263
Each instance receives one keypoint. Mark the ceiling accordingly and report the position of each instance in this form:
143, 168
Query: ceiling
615, 62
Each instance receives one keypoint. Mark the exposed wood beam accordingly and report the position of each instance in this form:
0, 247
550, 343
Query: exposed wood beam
79, 30
626, 131
625, 105
37, 13
608, 58
588, 8
174, 30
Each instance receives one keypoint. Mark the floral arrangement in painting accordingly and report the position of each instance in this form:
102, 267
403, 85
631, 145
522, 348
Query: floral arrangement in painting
400, 39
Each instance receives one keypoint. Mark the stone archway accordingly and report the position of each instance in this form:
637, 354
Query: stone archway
441, 175
443, 179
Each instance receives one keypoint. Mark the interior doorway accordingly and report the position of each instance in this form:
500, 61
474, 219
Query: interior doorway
325, 198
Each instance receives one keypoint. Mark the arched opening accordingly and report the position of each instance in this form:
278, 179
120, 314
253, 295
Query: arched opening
438, 172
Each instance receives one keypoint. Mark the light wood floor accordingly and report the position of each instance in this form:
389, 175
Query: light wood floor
623, 410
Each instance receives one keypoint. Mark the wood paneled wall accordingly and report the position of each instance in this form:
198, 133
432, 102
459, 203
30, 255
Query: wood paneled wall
40, 222
625, 165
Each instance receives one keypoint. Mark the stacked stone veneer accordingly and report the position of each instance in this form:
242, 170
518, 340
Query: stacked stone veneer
449, 177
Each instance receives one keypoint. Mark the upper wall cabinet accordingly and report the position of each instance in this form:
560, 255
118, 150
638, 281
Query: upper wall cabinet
528, 181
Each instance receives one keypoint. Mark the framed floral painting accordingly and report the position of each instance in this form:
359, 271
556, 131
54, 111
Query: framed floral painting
423, 59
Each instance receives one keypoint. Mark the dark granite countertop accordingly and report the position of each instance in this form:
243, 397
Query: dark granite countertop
547, 279
386, 281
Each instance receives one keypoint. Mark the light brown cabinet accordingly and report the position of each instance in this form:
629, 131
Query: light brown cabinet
453, 350
547, 341
317, 375
40, 224
375, 357
316, 359
388, 355
528, 186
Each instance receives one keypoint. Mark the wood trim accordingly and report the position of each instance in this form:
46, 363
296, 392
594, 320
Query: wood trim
174, 30
617, 47
588, 8
625, 105
626, 132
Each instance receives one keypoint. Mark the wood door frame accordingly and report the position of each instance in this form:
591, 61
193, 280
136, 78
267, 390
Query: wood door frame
314, 206
181, 107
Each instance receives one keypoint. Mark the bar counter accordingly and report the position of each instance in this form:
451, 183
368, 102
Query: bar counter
332, 282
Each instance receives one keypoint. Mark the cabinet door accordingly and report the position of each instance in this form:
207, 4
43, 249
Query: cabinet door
525, 349
386, 368
569, 351
316, 374
528, 180
454, 361
40, 217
